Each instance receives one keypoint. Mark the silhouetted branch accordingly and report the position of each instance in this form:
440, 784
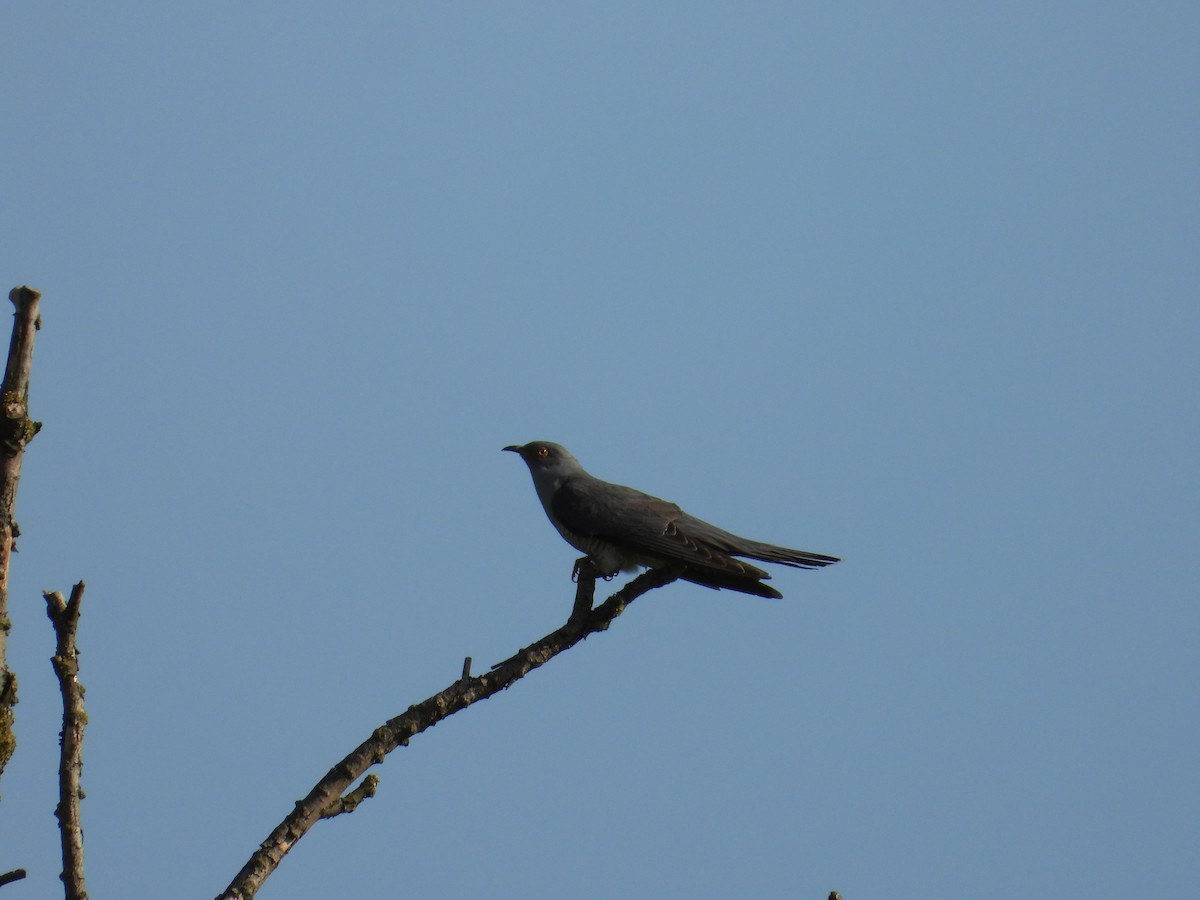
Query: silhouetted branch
10, 877
16, 430
462, 693
65, 616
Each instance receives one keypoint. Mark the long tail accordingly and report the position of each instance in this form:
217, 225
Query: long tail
800, 559
746, 584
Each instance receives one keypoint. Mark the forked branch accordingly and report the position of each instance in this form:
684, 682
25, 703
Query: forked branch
64, 614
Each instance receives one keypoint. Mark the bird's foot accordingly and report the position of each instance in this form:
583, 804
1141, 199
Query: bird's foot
582, 565
586, 567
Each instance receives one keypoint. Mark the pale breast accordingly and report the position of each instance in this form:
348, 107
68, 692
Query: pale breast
609, 558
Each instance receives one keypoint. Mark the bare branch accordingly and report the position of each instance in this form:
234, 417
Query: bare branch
10, 877
64, 614
349, 803
462, 693
16, 430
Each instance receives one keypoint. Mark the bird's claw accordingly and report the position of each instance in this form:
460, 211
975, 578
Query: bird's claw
586, 566
577, 569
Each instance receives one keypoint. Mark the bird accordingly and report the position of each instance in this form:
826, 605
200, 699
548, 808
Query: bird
621, 529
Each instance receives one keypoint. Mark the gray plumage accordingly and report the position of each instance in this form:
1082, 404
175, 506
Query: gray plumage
621, 529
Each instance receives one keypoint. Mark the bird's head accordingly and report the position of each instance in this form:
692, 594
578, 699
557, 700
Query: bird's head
544, 456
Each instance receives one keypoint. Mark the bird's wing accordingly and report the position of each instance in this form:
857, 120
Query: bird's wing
646, 525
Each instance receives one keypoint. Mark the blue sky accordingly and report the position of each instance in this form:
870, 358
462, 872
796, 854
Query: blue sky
913, 285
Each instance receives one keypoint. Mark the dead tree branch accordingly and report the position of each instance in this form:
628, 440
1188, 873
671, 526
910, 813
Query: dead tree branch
16, 430
10, 877
324, 798
64, 614
349, 803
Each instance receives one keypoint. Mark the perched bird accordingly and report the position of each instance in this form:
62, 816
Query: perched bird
620, 528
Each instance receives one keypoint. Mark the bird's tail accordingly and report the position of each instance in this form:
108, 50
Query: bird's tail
800, 559
747, 584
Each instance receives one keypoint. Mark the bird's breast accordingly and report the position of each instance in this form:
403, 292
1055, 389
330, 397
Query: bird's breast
609, 558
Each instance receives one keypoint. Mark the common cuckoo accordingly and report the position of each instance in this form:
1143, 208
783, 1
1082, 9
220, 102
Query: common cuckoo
620, 528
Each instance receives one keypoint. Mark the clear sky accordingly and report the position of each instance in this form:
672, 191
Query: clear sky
913, 284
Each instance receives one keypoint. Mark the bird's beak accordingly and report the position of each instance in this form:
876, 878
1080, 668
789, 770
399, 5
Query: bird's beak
515, 448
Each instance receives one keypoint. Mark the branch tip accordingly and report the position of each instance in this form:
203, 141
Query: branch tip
10, 877
24, 295
64, 616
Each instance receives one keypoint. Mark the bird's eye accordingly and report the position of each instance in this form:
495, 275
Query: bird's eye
543, 452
